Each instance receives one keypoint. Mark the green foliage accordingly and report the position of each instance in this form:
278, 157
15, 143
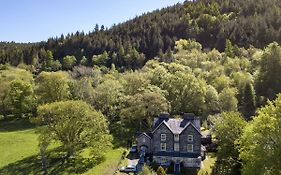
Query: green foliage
108, 98
52, 86
269, 81
249, 100
20, 97
75, 125
69, 62
183, 44
161, 171
182, 95
227, 99
144, 106
260, 141
228, 129
146, 170
6, 77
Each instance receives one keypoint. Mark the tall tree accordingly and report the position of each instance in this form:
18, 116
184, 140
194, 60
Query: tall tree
269, 81
249, 100
260, 142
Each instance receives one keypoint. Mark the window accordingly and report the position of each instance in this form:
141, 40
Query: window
164, 160
176, 147
176, 137
189, 148
163, 137
190, 138
143, 140
163, 146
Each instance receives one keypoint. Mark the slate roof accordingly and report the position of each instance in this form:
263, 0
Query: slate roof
177, 125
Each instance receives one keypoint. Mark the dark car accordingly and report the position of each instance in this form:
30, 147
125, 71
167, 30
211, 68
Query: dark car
134, 149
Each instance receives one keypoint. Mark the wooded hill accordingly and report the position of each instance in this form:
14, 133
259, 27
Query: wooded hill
132, 43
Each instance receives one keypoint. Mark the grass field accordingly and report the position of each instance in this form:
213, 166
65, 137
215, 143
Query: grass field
19, 154
17, 141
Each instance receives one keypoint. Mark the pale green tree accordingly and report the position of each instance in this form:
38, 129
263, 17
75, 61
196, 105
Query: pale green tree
227, 99
20, 97
260, 144
75, 125
52, 86
68, 62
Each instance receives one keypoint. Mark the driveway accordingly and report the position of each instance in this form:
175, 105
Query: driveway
133, 158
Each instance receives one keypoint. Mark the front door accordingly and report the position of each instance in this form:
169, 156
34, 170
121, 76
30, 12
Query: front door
177, 168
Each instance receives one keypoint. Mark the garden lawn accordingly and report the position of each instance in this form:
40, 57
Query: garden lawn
19, 154
17, 141
110, 165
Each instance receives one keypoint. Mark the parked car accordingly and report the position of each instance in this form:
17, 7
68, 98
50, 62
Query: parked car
129, 169
134, 149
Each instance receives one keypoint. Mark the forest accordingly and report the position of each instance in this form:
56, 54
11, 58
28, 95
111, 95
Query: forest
219, 59
131, 44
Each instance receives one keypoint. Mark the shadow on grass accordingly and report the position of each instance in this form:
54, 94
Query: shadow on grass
55, 165
10, 125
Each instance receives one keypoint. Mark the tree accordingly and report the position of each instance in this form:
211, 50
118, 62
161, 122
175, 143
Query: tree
261, 140
142, 107
161, 171
227, 99
269, 81
82, 89
228, 128
75, 125
68, 62
185, 92
146, 170
20, 97
52, 86
249, 100
211, 101
8, 75
108, 98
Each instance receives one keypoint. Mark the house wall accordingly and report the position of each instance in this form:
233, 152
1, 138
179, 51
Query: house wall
187, 162
163, 129
144, 140
190, 130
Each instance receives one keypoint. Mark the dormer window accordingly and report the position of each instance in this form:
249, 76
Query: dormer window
176, 137
190, 138
163, 137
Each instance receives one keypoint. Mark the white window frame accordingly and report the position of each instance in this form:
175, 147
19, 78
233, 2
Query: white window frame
190, 138
190, 150
176, 147
163, 146
163, 137
176, 137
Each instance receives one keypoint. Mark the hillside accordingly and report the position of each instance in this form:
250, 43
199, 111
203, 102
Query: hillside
130, 44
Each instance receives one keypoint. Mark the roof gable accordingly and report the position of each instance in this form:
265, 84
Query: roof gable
163, 123
144, 134
176, 125
192, 126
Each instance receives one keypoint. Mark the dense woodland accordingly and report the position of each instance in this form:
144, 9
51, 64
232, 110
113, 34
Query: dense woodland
98, 89
129, 45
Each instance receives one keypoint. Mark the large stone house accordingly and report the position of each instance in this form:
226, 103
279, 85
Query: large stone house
173, 141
